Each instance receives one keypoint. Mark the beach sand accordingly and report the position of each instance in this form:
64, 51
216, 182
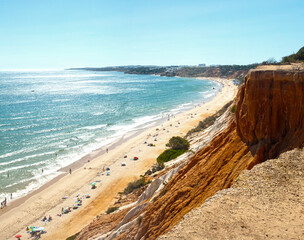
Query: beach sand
48, 200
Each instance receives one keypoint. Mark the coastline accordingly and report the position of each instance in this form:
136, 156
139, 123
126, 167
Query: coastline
47, 201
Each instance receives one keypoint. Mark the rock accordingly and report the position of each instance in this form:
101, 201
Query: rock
270, 111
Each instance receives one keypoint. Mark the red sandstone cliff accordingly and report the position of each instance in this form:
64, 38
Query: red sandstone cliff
269, 120
270, 112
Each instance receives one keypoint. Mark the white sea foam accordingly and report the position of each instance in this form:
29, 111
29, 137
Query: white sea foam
94, 127
18, 167
97, 113
18, 128
26, 158
34, 183
61, 100
206, 96
13, 153
138, 123
46, 130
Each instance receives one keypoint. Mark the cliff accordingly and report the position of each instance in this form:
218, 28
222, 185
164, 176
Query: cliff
270, 112
268, 120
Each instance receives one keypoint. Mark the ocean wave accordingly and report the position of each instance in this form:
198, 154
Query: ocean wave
97, 113
181, 108
146, 119
34, 183
26, 158
209, 95
17, 102
18, 118
12, 153
61, 100
94, 127
19, 167
46, 130
136, 124
19, 128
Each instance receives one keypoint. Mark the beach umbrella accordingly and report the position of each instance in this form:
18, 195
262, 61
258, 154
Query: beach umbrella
93, 183
18, 236
37, 229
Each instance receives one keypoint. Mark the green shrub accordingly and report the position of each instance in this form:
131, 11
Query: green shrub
295, 57
169, 154
111, 209
178, 143
136, 184
233, 108
156, 167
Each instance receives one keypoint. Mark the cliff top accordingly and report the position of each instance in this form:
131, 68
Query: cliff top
287, 67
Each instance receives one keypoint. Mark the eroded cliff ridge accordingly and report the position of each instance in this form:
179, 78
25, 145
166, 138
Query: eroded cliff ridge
270, 111
268, 120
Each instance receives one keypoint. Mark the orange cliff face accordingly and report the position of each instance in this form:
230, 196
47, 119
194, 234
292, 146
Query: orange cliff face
269, 119
270, 112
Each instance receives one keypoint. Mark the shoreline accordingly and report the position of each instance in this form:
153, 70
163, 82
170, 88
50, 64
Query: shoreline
88, 171
102, 149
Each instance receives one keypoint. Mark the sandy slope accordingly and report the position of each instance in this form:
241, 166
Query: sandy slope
49, 200
266, 202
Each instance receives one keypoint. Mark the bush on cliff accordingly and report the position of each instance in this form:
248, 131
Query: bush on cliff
155, 168
178, 143
233, 108
178, 146
299, 56
169, 154
111, 209
136, 184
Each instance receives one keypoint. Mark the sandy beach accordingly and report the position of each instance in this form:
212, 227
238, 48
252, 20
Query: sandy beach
48, 200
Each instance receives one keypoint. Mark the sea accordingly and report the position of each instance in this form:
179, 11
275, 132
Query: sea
52, 118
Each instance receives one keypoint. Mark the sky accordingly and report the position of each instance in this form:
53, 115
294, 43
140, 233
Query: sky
96, 33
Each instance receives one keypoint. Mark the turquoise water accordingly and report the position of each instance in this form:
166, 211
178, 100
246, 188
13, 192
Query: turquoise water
50, 119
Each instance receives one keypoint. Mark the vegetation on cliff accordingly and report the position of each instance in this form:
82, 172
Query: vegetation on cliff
178, 146
141, 182
296, 57
178, 143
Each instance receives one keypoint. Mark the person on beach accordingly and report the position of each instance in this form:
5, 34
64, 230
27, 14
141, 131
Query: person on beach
107, 150
70, 171
11, 196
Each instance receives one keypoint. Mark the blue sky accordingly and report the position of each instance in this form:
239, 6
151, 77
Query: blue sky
60, 34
